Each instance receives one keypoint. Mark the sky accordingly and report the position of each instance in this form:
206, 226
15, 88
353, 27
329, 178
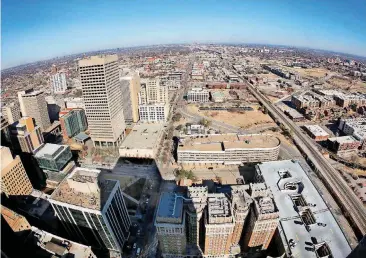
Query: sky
42, 29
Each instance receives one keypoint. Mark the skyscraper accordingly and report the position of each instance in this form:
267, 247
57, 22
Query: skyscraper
102, 96
263, 219
11, 112
170, 225
195, 209
92, 209
153, 92
219, 225
58, 82
14, 179
130, 86
33, 104
26, 136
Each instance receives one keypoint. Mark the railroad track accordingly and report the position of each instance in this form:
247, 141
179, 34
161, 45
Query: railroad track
352, 206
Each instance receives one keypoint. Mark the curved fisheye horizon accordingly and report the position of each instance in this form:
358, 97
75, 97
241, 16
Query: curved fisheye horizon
183, 129
34, 31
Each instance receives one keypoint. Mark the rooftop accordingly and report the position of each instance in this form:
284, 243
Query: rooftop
170, 208
304, 216
50, 150
59, 245
316, 130
142, 136
84, 188
221, 142
219, 210
343, 139
97, 60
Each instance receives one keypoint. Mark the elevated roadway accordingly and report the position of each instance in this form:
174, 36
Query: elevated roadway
352, 207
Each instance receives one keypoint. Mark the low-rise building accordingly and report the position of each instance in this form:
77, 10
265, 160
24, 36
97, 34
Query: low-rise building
74, 103
343, 144
53, 157
305, 221
155, 113
228, 149
356, 128
142, 141
217, 96
72, 122
198, 95
316, 132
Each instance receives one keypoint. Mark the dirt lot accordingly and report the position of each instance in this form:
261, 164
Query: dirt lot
311, 72
349, 85
244, 120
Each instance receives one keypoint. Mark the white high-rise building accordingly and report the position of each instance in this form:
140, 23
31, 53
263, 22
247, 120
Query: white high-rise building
153, 92
58, 83
102, 98
153, 101
92, 210
33, 104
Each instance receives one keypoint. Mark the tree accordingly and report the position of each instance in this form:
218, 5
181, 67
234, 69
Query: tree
205, 122
176, 117
179, 127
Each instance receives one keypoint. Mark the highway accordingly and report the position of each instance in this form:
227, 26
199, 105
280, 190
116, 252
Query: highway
352, 206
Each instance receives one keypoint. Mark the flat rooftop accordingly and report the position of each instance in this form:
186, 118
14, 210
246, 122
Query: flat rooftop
343, 139
170, 207
84, 188
222, 142
316, 130
142, 136
57, 245
304, 216
50, 149
218, 207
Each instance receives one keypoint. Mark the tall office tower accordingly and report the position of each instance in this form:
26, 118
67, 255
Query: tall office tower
263, 219
92, 209
33, 104
72, 122
102, 96
219, 225
58, 83
130, 86
5, 132
153, 92
170, 226
14, 179
240, 201
18, 223
198, 196
11, 112
26, 136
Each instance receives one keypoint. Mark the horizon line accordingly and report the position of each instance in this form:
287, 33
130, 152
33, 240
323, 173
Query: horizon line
201, 43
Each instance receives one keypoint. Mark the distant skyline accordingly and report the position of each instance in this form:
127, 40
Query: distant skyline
43, 29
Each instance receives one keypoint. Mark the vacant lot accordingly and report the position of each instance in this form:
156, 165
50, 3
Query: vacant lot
311, 72
349, 85
244, 120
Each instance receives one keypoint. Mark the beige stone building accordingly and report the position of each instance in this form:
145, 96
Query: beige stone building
11, 112
102, 95
33, 104
26, 135
14, 179
130, 86
16, 222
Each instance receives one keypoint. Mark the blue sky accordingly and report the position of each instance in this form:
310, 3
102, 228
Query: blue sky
42, 29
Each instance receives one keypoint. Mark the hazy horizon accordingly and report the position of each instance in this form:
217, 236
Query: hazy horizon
44, 30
